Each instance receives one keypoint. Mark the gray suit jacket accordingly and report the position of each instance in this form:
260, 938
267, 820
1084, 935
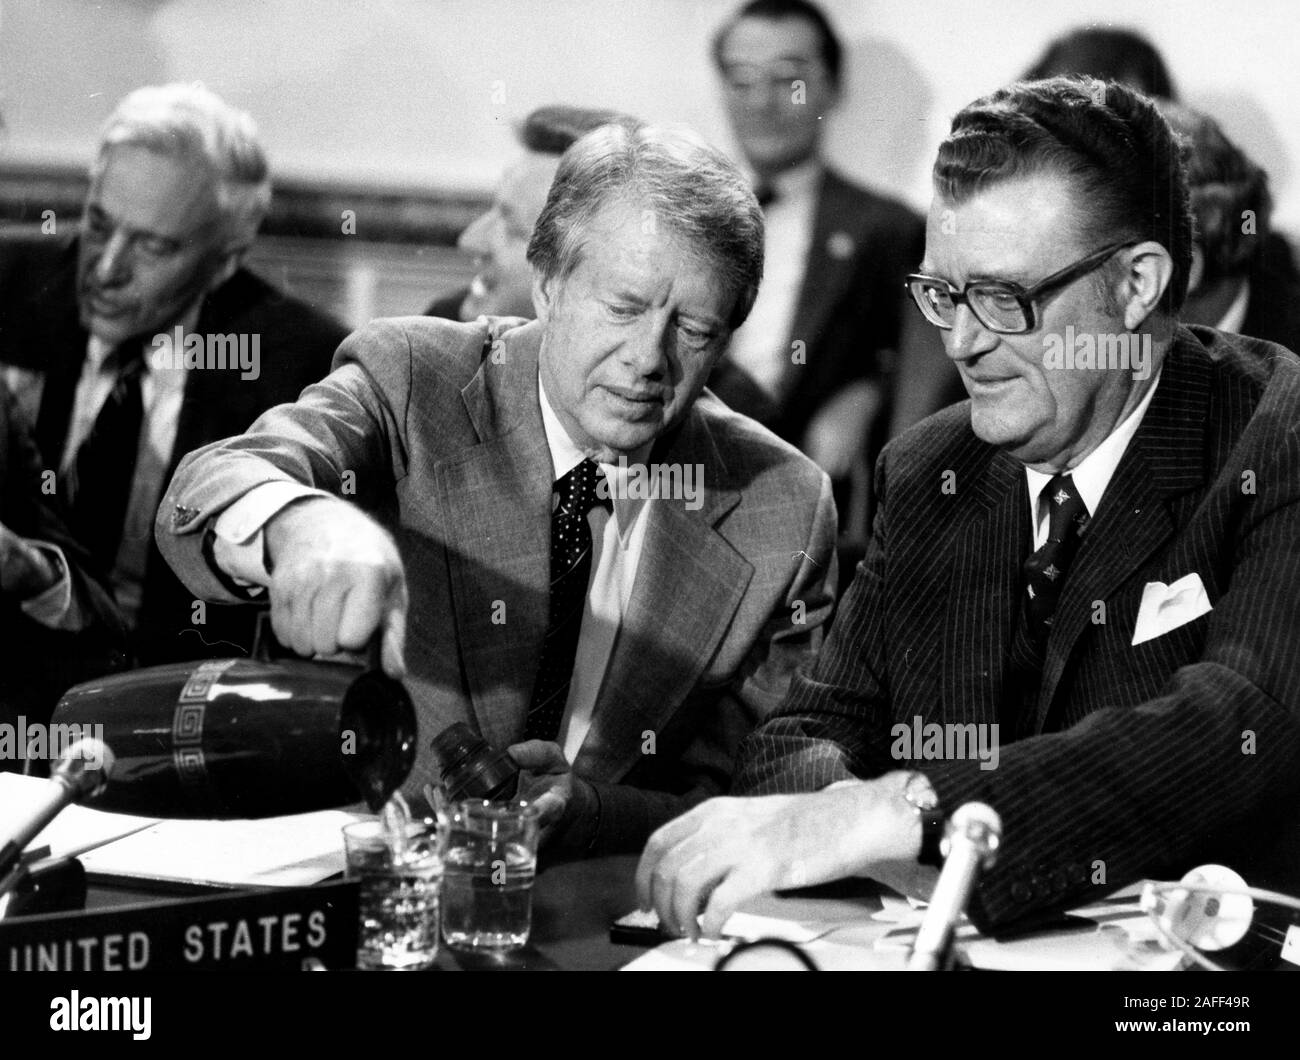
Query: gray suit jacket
443, 435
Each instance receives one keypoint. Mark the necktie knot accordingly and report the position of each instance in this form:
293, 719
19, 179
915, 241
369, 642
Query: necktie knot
1067, 513
125, 360
583, 488
765, 194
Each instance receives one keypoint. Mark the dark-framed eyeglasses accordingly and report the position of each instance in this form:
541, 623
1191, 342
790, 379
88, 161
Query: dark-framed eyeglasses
1000, 305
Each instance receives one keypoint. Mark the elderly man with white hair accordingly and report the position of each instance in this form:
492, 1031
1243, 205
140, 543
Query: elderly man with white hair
145, 337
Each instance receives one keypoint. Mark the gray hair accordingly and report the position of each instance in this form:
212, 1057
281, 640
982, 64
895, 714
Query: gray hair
189, 122
553, 129
688, 186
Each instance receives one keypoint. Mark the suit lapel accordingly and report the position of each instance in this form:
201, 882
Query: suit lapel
62, 362
989, 546
831, 257
689, 582
215, 403
1163, 461
210, 402
496, 500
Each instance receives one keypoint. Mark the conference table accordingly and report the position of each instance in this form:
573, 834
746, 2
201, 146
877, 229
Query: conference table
574, 905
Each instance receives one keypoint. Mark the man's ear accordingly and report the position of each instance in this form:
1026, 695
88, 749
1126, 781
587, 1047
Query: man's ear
1149, 273
542, 296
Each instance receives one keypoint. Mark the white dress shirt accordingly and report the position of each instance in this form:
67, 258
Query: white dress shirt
617, 543
761, 346
1094, 471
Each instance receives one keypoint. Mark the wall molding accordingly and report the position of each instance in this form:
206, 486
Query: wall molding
299, 208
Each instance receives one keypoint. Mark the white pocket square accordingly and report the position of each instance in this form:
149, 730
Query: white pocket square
1166, 607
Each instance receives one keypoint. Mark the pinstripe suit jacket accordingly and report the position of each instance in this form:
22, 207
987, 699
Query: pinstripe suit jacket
1139, 761
446, 446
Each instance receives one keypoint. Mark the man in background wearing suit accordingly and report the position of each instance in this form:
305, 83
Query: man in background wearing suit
823, 338
592, 567
1087, 572
144, 338
1243, 277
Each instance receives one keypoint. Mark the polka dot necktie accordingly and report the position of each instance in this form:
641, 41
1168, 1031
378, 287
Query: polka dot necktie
573, 496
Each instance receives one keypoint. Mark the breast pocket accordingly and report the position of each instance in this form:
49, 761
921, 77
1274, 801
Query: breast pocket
1151, 663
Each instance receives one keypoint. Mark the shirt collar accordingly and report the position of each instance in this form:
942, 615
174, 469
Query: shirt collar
799, 180
97, 350
794, 183
1094, 471
566, 455
1235, 316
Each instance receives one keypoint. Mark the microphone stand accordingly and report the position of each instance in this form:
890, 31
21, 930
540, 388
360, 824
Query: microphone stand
970, 846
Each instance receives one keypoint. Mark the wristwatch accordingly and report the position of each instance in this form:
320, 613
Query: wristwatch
921, 796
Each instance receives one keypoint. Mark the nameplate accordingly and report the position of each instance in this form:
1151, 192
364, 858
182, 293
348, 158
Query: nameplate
277, 929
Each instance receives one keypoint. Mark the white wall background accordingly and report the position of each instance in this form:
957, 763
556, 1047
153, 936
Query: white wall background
422, 92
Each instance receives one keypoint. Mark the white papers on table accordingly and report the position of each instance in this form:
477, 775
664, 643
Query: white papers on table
1111, 934
293, 851
75, 830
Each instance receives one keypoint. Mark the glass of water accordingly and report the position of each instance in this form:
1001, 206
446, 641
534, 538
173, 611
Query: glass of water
490, 862
400, 873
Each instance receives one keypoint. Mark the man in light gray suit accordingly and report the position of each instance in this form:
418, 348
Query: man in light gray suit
560, 537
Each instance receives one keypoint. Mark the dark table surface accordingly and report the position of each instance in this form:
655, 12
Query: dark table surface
574, 905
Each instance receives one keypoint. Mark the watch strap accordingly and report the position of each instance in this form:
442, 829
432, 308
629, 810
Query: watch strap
932, 828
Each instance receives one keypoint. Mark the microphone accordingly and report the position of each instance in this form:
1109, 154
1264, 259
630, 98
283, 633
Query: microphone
1214, 912
971, 841
81, 773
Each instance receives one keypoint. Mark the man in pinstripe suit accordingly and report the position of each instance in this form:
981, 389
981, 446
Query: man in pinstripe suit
1091, 562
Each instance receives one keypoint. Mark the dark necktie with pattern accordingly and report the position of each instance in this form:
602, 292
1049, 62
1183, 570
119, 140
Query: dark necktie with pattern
1043, 576
105, 462
573, 497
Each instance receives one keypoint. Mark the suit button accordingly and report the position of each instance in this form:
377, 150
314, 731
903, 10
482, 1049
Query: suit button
1020, 892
